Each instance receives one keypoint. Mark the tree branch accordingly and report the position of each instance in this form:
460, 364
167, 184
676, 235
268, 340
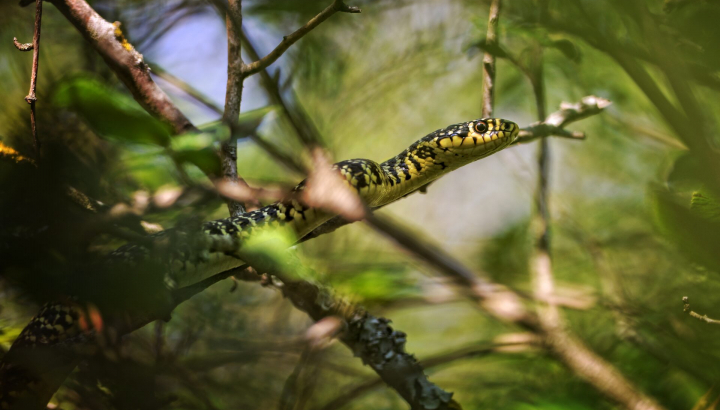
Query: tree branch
233, 100
489, 61
301, 124
506, 305
552, 126
125, 61
465, 353
289, 40
373, 340
703, 318
555, 123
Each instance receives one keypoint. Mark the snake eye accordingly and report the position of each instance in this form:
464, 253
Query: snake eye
481, 127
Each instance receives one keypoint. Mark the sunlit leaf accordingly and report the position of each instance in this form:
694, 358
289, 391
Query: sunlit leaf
206, 159
705, 206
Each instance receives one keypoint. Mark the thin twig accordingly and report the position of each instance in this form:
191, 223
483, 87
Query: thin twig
289, 40
304, 129
554, 124
540, 262
31, 98
489, 61
703, 318
22, 46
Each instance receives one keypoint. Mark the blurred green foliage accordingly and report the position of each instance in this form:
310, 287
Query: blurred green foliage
634, 212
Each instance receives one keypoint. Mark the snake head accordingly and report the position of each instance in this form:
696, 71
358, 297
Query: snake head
487, 134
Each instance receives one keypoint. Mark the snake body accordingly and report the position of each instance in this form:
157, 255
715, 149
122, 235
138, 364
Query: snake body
377, 184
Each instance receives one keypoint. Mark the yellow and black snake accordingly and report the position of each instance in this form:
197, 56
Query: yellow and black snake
427, 159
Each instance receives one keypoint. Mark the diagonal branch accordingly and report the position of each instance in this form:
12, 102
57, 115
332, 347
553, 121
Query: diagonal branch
506, 305
439, 360
304, 129
369, 337
289, 40
107, 39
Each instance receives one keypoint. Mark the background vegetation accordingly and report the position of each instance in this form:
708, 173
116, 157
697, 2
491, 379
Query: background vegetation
626, 243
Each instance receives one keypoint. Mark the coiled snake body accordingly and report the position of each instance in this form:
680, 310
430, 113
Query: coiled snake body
377, 184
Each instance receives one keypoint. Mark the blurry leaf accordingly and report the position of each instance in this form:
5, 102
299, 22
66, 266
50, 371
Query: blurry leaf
565, 404
192, 141
321, 334
696, 237
568, 48
507, 255
206, 159
326, 189
492, 49
705, 206
148, 165
376, 285
686, 174
198, 149
109, 113
267, 251
250, 120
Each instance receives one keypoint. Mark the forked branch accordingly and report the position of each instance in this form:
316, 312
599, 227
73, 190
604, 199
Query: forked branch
289, 40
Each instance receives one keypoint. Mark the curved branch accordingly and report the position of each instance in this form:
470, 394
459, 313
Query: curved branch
289, 40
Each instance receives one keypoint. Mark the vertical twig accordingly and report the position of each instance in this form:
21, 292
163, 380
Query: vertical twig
489, 61
31, 98
233, 92
541, 264
233, 99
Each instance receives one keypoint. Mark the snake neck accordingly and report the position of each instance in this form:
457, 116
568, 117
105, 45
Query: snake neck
422, 163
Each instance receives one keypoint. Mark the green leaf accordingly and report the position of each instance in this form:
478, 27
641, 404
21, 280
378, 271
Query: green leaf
492, 49
206, 159
506, 256
705, 206
251, 120
568, 48
376, 285
686, 174
696, 237
110, 113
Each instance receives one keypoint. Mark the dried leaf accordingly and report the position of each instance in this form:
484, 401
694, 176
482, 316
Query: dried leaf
322, 333
243, 193
326, 189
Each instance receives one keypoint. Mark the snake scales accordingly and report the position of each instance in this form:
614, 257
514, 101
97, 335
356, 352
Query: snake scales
427, 159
